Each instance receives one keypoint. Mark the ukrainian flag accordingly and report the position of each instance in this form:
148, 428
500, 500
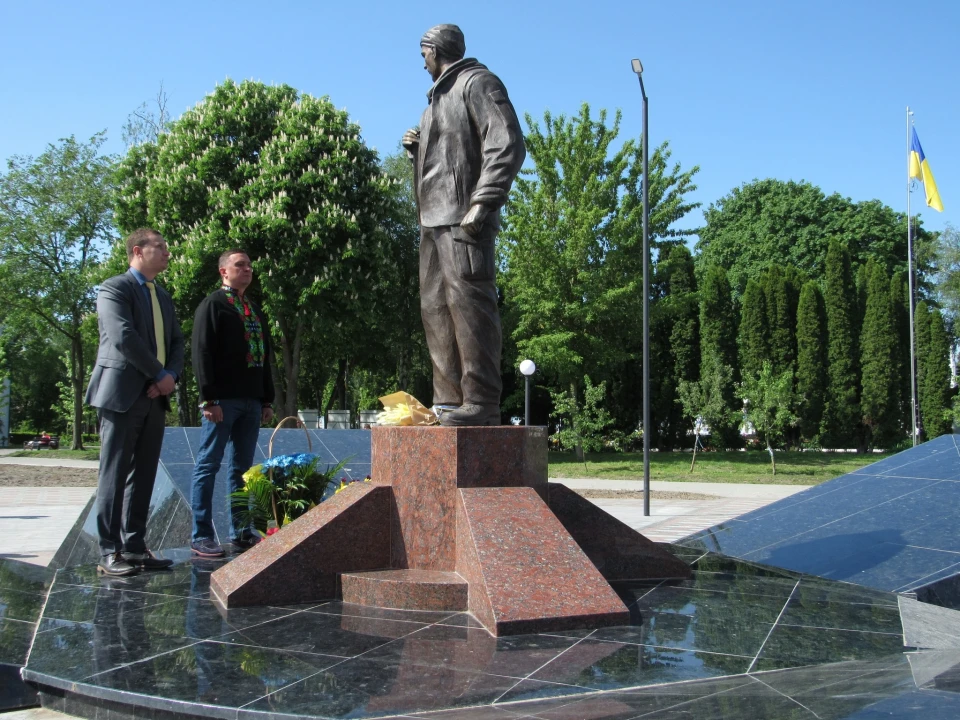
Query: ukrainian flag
920, 170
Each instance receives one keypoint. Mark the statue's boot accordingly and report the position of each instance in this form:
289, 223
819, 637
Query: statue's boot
471, 415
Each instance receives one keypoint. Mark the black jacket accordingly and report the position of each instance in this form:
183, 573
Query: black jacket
220, 353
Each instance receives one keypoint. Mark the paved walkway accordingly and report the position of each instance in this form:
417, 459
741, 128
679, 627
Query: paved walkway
671, 520
34, 521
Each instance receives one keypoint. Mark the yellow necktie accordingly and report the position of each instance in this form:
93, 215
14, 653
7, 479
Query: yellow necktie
158, 324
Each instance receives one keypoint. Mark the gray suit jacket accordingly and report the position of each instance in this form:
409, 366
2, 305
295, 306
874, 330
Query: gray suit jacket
127, 358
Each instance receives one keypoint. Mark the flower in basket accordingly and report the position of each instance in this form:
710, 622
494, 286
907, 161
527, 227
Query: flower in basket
281, 489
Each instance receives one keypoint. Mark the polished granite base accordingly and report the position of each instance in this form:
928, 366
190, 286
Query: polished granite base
470, 502
736, 640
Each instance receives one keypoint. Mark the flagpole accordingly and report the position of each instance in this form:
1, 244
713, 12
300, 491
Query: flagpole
913, 361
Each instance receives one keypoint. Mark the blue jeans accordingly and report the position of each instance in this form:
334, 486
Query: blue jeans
239, 429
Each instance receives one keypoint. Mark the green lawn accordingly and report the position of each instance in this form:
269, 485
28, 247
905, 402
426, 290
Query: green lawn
88, 454
793, 468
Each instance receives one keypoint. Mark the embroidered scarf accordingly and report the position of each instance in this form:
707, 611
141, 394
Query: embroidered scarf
252, 329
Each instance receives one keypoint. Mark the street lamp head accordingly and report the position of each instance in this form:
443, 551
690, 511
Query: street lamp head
528, 367
637, 66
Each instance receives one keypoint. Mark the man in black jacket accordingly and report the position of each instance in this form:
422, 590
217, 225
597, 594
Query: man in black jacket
231, 351
466, 154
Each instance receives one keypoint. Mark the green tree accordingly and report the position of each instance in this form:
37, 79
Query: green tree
55, 221
922, 350
935, 393
879, 401
581, 426
718, 346
768, 399
811, 361
570, 247
781, 318
754, 329
675, 331
902, 371
34, 365
287, 177
705, 405
791, 223
842, 413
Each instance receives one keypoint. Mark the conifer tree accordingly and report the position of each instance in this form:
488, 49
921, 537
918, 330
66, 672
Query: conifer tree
781, 319
811, 360
921, 339
754, 331
902, 370
841, 424
935, 392
718, 345
878, 340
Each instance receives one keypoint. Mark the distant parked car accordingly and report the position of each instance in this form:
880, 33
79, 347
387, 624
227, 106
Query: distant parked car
51, 442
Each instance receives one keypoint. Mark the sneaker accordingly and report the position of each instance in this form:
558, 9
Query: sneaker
206, 547
147, 560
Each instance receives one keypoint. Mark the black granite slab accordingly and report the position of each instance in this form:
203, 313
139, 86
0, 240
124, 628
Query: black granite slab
738, 640
890, 526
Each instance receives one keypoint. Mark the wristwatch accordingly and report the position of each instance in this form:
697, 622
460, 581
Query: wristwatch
204, 405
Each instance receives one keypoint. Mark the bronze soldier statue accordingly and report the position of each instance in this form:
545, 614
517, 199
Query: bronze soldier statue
466, 154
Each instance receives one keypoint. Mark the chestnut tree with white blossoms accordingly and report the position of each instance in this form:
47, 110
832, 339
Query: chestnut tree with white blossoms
287, 177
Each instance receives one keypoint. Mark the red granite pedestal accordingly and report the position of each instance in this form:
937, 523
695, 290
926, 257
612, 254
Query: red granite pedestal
455, 519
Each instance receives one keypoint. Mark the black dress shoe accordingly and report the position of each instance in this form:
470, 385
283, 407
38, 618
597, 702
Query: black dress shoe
470, 415
147, 560
116, 566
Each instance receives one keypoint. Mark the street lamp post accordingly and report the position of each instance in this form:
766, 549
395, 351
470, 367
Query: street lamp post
637, 67
528, 368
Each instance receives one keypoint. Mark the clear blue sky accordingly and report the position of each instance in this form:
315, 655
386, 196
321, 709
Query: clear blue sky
812, 90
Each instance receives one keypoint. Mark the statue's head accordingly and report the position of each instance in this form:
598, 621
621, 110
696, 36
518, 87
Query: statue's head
441, 45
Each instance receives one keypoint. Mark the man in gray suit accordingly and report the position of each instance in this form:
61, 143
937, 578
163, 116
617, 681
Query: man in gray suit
466, 154
138, 363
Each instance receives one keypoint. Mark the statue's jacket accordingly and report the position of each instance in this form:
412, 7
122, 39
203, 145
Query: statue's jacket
471, 145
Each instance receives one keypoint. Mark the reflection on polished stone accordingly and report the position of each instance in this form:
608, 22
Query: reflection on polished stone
738, 640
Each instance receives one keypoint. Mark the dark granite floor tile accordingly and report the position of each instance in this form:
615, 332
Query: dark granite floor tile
24, 577
791, 646
715, 632
481, 712
343, 636
621, 666
461, 620
217, 675
15, 637
723, 564
16, 605
712, 604
812, 588
475, 650
336, 607
841, 616
841, 689
628, 704
732, 705
361, 688
96, 604
922, 704
684, 553
740, 585
74, 651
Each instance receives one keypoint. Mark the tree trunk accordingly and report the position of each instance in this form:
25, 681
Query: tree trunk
576, 430
186, 410
77, 378
696, 440
291, 365
773, 461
